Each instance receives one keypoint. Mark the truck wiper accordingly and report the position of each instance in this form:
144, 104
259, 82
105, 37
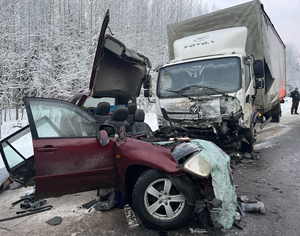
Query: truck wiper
180, 93
198, 86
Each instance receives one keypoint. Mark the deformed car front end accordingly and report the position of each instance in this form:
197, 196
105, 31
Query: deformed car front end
165, 194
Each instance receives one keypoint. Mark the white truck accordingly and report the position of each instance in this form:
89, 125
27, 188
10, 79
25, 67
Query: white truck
226, 73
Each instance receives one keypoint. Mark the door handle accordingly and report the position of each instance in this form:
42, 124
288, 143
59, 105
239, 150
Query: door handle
47, 149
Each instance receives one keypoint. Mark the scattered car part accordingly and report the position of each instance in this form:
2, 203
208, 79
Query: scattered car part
130, 216
33, 205
197, 231
90, 204
24, 198
29, 212
240, 210
253, 206
55, 220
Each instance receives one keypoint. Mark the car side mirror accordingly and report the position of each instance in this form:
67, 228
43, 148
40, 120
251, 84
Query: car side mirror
258, 68
110, 129
102, 137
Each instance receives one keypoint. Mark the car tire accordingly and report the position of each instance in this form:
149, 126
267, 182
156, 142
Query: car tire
158, 203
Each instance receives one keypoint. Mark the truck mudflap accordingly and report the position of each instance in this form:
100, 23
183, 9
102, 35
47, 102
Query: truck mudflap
220, 186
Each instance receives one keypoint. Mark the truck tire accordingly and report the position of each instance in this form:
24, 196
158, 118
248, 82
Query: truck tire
249, 134
276, 113
158, 203
275, 118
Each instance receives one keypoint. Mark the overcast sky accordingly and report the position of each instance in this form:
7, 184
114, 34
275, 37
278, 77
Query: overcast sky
284, 14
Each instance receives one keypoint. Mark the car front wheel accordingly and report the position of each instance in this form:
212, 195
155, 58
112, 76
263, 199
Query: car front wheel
158, 203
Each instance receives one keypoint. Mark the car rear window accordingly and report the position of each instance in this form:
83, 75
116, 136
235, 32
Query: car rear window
93, 102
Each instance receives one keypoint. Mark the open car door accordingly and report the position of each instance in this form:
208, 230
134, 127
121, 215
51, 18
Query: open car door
67, 154
17, 154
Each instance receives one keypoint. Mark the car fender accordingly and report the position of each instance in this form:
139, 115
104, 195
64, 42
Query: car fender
141, 153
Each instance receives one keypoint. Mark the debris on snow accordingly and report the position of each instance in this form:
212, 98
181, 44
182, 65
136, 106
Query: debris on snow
130, 216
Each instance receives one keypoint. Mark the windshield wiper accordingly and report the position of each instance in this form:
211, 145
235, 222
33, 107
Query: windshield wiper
179, 92
198, 86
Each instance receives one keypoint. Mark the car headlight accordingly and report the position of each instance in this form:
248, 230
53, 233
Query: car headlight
197, 166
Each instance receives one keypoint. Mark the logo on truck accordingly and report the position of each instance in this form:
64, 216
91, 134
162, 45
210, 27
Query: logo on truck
194, 109
201, 38
199, 41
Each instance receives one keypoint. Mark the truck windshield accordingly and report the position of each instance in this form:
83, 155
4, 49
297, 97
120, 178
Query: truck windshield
200, 78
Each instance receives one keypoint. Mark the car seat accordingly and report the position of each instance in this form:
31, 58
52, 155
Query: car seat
131, 108
139, 126
102, 112
119, 118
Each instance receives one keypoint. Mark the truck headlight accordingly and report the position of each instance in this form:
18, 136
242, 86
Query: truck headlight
197, 166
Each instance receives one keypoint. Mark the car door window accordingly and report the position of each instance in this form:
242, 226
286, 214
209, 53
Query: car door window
17, 148
61, 119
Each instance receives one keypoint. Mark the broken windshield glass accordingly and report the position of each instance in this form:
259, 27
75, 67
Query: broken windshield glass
198, 78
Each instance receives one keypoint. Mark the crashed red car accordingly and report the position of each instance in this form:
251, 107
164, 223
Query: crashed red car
65, 150
71, 154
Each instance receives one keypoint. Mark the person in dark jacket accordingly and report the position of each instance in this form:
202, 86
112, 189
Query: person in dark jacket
296, 97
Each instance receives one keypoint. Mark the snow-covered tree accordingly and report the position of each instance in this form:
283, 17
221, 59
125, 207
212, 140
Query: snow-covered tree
292, 67
47, 47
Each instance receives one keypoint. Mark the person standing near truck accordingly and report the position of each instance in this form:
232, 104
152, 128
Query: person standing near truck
296, 97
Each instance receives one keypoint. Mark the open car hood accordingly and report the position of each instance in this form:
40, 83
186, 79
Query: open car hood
117, 71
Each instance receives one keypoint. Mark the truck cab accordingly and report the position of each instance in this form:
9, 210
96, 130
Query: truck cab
209, 86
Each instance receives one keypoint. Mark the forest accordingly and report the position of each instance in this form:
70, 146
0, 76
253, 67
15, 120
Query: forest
47, 46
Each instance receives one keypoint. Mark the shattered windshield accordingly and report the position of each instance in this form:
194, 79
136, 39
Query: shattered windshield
200, 78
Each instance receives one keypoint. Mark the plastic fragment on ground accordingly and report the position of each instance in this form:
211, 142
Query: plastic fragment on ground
130, 216
88, 205
55, 220
253, 206
197, 231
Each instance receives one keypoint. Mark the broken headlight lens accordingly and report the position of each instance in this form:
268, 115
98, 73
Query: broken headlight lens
197, 166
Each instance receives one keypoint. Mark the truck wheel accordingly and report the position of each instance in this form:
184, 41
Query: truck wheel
249, 134
158, 203
276, 113
275, 118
